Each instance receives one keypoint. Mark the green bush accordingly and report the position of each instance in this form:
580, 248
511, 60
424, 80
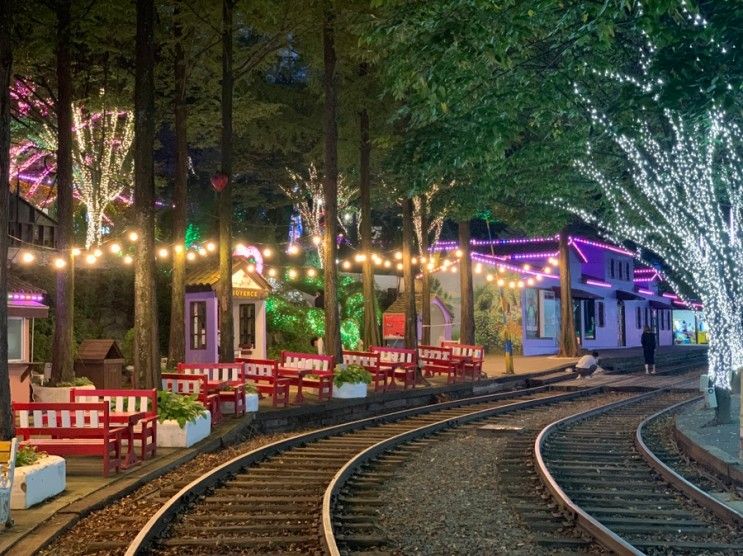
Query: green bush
78, 381
183, 409
28, 455
351, 374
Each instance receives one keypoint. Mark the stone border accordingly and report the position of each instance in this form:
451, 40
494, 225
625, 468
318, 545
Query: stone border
716, 461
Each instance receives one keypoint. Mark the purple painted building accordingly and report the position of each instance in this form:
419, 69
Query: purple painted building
249, 292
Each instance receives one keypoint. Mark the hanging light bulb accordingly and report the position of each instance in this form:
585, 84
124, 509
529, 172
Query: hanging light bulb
500, 282
458, 253
359, 257
28, 257
398, 255
267, 252
520, 284
128, 259
203, 252
178, 248
211, 246
346, 265
272, 272
251, 267
387, 264
527, 266
478, 268
115, 248
133, 236
190, 255
292, 273
90, 258
454, 270
316, 240
292, 249
60, 263
511, 284
399, 266
311, 272
547, 270
98, 253
414, 260
530, 281
489, 277
76, 251
163, 252
539, 277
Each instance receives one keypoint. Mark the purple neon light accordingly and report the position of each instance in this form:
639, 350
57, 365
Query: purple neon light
16, 296
598, 283
578, 250
646, 292
602, 245
542, 255
670, 296
488, 259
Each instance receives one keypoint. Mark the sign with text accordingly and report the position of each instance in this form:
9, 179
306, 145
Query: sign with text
393, 325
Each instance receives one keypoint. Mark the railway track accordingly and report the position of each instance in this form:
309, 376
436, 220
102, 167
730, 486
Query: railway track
591, 465
270, 499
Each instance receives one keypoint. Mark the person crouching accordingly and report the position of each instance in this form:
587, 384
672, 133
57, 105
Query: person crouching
587, 365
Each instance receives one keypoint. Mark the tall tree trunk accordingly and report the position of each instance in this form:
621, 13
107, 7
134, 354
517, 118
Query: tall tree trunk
330, 186
146, 352
426, 274
177, 342
64, 310
408, 278
226, 321
568, 342
7, 428
371, 329
467, 325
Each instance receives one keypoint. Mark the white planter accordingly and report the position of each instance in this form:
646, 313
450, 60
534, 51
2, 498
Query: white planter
350, 390
56, 394
251, 403
171, 435
35, 483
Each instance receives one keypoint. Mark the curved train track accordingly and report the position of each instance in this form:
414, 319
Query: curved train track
270, 499
598, 467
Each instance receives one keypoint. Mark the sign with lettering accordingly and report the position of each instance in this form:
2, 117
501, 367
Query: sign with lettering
393, 325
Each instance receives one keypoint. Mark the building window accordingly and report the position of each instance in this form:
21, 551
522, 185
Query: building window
247, 325
198, 325
611, 268
15, 339
626, 271
638, 318
602, 318
589, 319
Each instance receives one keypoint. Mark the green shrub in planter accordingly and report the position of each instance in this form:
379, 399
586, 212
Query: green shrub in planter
351, 374
177, 407
28, 455
77, 381
250, 388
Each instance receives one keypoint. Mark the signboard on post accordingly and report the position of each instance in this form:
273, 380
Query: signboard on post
393, 326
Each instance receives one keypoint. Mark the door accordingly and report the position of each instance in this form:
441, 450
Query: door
247, 325
578, 320
621, 324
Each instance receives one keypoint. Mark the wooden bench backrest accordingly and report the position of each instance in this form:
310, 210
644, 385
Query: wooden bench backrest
38, 416
184, 384
477, 353
7, 462
434, 353
120, 401
260, 367
310, 361
217, 372
394, 355
367, 359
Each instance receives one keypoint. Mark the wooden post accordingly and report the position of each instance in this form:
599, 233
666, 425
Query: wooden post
411, 317
467, 324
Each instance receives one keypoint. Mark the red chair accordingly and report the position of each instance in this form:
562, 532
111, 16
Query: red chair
402, 364
231, 374
265, 374
472, 357
439, 361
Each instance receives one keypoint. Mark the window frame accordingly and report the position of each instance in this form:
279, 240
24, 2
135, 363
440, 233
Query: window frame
197, 324
20, 338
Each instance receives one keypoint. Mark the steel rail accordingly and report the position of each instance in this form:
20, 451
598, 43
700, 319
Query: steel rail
162, 518
348, 470
584, 520
676, 480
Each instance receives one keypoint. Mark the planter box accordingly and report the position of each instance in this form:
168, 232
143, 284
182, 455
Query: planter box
171, 435
251, 405
35, 483
56, 394
350, 390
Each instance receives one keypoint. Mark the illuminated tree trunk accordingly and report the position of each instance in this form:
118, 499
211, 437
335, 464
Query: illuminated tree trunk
177, 341
63, 343
467, 325
426, 276
226, 321
7, 427
371, 329
330, 186
411, 318
146, 352
568, 341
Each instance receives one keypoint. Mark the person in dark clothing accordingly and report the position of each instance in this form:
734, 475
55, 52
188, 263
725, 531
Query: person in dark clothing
319, 299
648, 350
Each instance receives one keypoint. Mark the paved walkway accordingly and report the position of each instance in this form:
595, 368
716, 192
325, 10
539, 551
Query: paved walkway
723, 441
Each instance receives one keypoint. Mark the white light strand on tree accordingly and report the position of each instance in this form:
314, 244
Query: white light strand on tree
681, 197
306, 192
435, 223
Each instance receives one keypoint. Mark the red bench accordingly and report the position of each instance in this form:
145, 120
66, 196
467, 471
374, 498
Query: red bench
321, 366
265, 374
71, 429
440, 361
194, 385
401, 362
472, 357
231, 374
124, 401
370, 361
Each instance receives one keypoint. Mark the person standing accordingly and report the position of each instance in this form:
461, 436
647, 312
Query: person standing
648, 349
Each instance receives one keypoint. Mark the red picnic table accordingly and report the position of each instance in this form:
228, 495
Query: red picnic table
130, 419
297, 377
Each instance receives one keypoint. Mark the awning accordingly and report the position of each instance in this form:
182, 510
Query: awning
628, 296
28, 309
659, 305
577, 294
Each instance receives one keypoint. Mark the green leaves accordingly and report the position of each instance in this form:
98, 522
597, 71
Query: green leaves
351, 374
183, 409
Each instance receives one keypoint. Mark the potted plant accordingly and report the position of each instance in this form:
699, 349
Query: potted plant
350, 381
60, 392
38, 476
182, 420
251, 397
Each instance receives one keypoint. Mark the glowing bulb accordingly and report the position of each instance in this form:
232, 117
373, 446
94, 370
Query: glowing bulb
501, 282
539, 277
90, 258
414, 260
292, 249
346, 265
530, 281
60, 263
292, 273
128, 259
211, 247
203, 252
98, 253
458, 253
75, 252
316, 240
431, 266
312, 273
489, 277
387, 264
520, 284
454, 270
398, 255
239, 247
446, 263
272, 272
547, 270
359, 258
190, 255
553, 261
133, 236
478, 268
267, 252
115, 248
422, 259
28, 257
179, 248
251, 267
399, 266
511, 284
527, 266
163, 252
502, 269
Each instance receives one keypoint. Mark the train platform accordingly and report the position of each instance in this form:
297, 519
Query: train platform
715, 447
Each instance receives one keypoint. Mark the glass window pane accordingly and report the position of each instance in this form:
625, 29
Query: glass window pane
15, 339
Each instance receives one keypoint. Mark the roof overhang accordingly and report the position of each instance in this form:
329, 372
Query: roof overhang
28, 309
628, 296
578, 294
